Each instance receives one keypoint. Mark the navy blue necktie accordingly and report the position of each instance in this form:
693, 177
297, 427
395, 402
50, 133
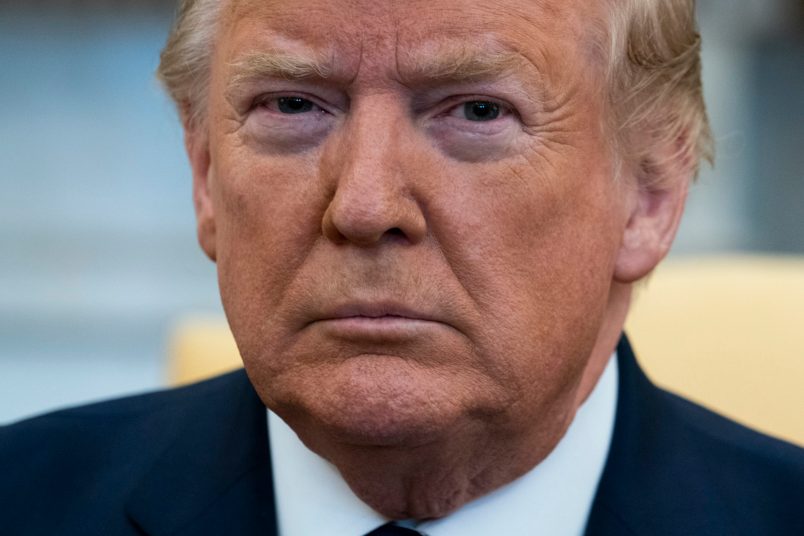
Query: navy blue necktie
392, 529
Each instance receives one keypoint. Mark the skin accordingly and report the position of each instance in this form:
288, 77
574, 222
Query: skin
425, 298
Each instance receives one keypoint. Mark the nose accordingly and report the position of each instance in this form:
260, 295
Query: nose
374, 170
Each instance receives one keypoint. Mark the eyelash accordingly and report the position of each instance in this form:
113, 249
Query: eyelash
454, 103
263, 101
446, 109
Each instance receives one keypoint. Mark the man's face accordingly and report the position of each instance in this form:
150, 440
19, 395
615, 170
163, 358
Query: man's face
413, 211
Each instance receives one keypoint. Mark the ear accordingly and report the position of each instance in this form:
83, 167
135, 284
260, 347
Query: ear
657, 194
196, 143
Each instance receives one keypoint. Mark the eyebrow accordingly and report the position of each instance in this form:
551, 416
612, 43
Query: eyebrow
434, 65
277, 64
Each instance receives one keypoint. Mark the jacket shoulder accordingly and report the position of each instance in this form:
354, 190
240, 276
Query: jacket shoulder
754, 472
675, 467
95, 454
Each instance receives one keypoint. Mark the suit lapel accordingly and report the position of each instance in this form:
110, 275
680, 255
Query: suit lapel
655, 480
215, 478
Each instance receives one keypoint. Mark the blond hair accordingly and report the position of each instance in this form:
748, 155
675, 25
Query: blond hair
654, 85
184, 62
653, 77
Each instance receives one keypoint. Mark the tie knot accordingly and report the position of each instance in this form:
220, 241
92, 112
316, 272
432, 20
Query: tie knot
393, 529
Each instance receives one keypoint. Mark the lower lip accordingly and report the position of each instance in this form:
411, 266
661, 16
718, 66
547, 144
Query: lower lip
377, 328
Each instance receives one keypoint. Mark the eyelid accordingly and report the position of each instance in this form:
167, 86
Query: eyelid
263, 98
451, 103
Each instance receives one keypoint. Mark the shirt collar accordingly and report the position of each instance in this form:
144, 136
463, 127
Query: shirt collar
554, 497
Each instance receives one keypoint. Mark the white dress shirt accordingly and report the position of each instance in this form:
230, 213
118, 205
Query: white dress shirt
554, 498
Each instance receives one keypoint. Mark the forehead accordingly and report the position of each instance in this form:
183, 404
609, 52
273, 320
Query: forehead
355, 34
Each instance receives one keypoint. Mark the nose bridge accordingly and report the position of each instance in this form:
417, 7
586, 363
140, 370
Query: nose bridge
370, 151
373, 190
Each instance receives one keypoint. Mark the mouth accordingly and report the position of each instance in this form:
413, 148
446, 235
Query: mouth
377, 310
377, 321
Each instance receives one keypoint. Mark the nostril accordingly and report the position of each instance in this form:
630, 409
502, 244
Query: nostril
396, 234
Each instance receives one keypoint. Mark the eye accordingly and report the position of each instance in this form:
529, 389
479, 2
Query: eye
294, 105
287, 121
289, 105
477, 110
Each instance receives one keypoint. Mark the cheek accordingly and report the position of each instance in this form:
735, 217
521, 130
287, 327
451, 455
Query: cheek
268, 215
525, 228
535, 250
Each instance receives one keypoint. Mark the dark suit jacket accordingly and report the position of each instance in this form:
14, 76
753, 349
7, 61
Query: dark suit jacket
195, 461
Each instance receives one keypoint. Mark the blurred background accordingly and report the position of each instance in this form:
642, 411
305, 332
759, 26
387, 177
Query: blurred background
98, 257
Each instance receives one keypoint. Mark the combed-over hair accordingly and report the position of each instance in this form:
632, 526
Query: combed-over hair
653, 75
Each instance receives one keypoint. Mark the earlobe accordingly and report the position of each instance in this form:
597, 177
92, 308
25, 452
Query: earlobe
655, 213
197, 146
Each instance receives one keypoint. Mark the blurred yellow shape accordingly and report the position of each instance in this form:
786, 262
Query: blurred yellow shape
728, 333
200, 346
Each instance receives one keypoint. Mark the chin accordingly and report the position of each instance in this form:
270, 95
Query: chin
377, 427
374, 401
